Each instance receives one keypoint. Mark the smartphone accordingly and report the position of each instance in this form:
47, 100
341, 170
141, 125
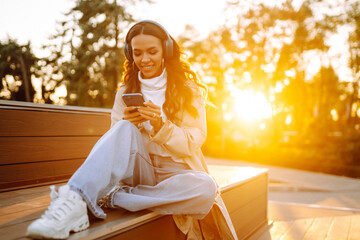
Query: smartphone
133, 99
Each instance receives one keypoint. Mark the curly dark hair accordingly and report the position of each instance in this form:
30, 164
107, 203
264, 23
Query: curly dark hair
179, 93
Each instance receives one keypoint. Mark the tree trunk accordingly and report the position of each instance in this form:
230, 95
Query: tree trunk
26, 79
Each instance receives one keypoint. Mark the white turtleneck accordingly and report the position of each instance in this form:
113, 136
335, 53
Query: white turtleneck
154, 89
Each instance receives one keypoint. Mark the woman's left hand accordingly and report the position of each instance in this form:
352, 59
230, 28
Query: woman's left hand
152, 112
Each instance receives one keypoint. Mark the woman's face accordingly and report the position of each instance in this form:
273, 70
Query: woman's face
147, 54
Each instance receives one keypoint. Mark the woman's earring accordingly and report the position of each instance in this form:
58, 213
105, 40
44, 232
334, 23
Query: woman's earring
162, 64
133, 65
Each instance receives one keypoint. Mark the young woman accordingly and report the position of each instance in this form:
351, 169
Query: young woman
151, 157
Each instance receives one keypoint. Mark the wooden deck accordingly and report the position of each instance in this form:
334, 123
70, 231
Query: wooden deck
330, 228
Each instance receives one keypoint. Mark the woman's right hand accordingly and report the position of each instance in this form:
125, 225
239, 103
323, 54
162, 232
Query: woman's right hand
132, 115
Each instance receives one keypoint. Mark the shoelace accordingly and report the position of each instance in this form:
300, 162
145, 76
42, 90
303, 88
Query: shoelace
59, 206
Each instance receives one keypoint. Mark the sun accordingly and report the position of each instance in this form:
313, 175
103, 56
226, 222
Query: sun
248, 106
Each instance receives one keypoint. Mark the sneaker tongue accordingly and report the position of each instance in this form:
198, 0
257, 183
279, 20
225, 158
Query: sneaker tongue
64, 191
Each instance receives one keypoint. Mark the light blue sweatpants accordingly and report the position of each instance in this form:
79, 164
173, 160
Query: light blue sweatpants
155, 183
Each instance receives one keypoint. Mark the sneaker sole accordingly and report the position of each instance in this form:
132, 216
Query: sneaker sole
78, 226
81, 225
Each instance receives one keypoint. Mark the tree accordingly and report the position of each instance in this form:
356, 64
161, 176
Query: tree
17, 65
86, 54
266, 47
326, 91
207, 55
271, 43
354, 61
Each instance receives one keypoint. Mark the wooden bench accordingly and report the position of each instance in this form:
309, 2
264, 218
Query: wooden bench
45, 144
41, 143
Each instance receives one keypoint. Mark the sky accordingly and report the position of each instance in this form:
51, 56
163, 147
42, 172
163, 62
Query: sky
35, 20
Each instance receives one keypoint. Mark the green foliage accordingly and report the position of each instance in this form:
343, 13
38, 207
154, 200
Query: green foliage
353, 20
18, 62
87, 54
273, 43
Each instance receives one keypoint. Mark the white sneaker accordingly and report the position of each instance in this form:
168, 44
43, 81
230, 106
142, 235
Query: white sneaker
67, 212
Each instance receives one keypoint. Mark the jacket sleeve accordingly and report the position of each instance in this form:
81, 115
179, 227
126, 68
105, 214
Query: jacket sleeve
184, 140
117, 112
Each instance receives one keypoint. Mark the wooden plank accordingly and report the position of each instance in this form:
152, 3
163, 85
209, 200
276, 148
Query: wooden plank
16, 231
298, 229
117, 222
231, 176
347, 227
39, 201
285, 211
9, 104
46, 182
278, 229
21, 195
33, 173
39, 123
250, 216
264, 236
354, 233
318, 229
163, 228
263, 233
245, 192
25, 211
247, 204
339, 229
13, 199
36, 149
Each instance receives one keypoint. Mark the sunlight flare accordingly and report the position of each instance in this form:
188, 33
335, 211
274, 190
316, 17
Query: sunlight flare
288, 119
250, 106
334, 115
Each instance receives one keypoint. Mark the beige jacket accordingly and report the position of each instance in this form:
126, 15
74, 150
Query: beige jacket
183, 140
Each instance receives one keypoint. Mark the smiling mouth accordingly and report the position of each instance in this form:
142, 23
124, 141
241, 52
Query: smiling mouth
147, 67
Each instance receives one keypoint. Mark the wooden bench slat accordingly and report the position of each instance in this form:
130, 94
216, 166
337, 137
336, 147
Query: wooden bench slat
16, 231
22, 195
9, 104
17, 175
250, 217
41, 123
25, 211
245, 193
118, 221
37, 149
163, 228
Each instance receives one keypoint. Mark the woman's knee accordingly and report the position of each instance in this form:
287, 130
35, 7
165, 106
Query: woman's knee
208, 185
